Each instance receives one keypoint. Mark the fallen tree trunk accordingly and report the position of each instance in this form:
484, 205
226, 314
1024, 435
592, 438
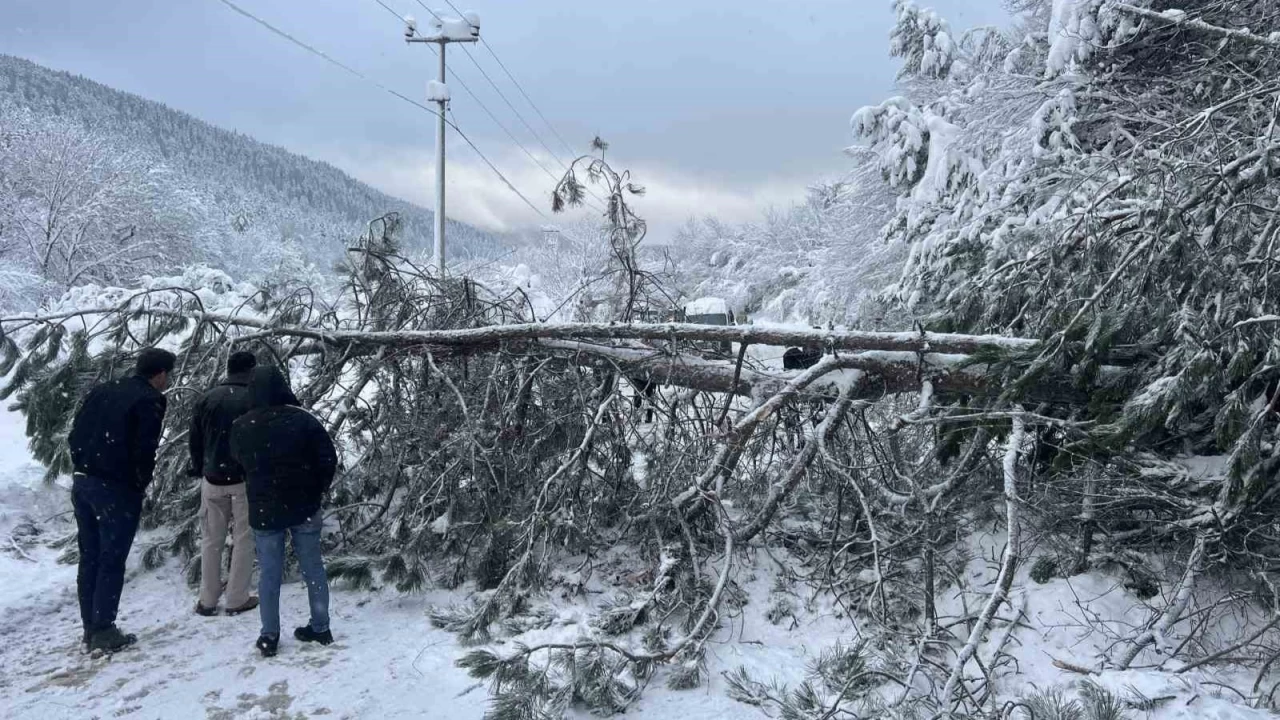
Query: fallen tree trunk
854, 340
890, 373
896, 362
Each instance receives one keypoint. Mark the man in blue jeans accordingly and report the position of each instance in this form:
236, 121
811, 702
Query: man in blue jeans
289, 462
113, 443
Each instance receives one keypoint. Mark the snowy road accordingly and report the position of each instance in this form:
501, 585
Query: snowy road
387, 663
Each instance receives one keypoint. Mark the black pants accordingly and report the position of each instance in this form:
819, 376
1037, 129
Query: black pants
107, 516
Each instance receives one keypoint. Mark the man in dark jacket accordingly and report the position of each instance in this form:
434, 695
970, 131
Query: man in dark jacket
222, 495
289, 463
113, 444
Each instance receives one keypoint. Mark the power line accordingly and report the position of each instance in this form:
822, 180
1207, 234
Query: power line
280, 33
534, 158
391, 10
487, 46
512, 106
573, 156
321, 54
502, 177
513, 109
519, 87
504, 128
434, 14
522, 121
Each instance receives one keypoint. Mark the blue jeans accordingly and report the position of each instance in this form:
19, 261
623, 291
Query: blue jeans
107, 516
306, 545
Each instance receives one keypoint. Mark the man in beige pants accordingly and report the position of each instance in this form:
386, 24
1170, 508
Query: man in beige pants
223, 504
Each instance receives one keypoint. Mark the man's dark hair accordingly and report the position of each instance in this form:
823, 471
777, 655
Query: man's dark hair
241, 361
153, 361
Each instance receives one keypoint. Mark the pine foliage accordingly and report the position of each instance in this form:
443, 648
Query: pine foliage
1105, 182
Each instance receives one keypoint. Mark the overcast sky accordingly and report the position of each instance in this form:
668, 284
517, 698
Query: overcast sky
719, 107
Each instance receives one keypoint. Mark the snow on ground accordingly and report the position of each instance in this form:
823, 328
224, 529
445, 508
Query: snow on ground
389, 662
1080, 621
26, 573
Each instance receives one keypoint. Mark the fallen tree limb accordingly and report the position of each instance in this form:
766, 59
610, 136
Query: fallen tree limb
726, 457
831, 422
914, 342
1228, 650
853, 340
889, 373
1181, 598
1012, 554
894, 359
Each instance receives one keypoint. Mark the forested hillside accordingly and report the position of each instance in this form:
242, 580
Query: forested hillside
197, 192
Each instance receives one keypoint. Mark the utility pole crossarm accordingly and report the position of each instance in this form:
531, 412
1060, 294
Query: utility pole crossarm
445, 30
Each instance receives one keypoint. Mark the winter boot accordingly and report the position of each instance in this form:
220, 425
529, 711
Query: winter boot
204, 611
248, 605
306, 634
268, 645
111, 639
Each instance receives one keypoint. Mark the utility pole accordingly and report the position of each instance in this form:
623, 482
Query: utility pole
445, 30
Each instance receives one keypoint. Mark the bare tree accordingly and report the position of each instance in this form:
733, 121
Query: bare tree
78, 208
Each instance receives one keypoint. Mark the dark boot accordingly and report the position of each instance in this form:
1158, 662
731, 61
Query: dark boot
268, 645
306, 634
249, 604
204, 611
111, 639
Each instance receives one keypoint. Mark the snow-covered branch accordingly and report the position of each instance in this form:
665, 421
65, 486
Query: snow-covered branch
1179, 18
1012, 555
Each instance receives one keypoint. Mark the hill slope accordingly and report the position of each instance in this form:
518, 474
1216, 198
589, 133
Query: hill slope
232, 180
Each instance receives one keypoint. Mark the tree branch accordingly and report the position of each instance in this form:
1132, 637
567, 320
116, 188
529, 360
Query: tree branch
1180, 19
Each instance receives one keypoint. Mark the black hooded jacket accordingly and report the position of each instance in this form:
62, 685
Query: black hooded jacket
288, 459
116, 432
210, 435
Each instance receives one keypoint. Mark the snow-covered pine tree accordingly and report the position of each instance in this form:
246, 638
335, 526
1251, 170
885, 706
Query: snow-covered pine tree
1103, 178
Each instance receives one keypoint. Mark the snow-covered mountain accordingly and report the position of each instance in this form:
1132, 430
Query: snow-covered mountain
225, 184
